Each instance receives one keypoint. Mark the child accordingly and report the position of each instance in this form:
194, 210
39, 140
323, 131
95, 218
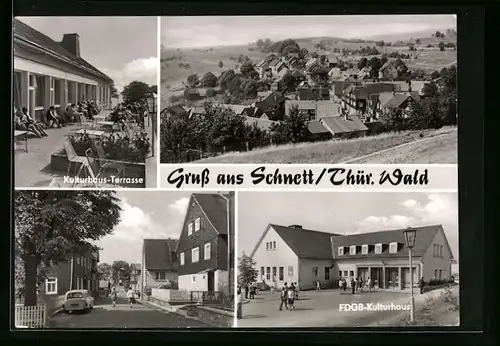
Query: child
291, 298
113, 295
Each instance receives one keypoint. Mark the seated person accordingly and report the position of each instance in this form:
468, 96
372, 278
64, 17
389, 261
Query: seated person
21, 125
90, 112
38, 125
53, 118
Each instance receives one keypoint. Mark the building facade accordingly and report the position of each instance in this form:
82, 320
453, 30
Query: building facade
293, 254
204, 244
160, 264
77, 272
49, 73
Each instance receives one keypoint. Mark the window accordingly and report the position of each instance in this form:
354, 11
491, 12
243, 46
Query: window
267, 246
340, 250
268, 273
160, 276
206, 252
17, 79
327, 273
351, 273
78, 260
274, 273
340, 273
315, 272
197, 224
434, 250
290, 271
193, 279
440, 274
58, 89
51, 286
281, 274
364, 250
262, 271
444, 277
378, 248
441, 250
195, 255
393, 247
182, 258
352, 250
435, 273
39, 91
274, 245
190, 228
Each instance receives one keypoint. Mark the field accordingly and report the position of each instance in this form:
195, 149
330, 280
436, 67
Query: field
428, 146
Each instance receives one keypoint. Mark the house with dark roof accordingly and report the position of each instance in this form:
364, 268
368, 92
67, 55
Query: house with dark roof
383, 256
272, 107
388, 71
285, 254
160, 263
50, 73
206, 238
354, 97
378, 103
345, 126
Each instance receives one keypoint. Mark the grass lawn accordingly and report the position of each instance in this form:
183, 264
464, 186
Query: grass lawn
335, 151
437, 311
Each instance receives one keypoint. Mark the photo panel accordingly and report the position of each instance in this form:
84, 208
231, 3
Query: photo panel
262, 89
145, 259
341, 259
85, 101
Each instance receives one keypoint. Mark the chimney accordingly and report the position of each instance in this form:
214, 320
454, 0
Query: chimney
71, 42
295, 226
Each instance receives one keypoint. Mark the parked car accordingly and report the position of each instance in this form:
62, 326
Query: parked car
78, 300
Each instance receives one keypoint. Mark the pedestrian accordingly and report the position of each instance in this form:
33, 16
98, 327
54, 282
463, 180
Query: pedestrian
291, 299
130, 296
369, 284
252, 290
344, 284
296, 286
421, 285
246, 291
113, 295
360, 283
353, 285
239, 311
283, 297
318, 285
341, 282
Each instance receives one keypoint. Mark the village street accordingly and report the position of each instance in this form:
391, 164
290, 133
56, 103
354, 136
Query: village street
105, 316
321, 309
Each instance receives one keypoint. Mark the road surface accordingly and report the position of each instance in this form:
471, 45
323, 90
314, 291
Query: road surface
104, 315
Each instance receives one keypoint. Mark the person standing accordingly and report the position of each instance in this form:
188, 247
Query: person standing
239, 302
252, 290
113, 295
318, 285
130, 296
341, 283
247, 289
353, 285
421, 285
284, 297
291, 298
344, 284
369, 284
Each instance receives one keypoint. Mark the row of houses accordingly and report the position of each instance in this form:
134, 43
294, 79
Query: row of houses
285, 254
51, 73
200, 260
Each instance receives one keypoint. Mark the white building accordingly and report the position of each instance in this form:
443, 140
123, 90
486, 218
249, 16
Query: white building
49, 73
160, 264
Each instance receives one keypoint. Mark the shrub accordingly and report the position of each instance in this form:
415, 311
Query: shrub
211, 92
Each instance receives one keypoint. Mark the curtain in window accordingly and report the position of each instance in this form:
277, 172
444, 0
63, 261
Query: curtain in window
17, 89
40, 92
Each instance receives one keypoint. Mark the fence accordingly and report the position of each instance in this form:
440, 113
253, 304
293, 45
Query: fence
30, 316
218, 300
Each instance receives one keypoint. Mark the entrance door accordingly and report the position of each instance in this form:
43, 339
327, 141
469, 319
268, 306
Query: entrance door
376, 277
405, 272
210, 281
392, 277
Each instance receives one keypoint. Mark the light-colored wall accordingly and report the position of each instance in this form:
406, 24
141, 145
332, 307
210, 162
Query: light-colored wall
151, 282
283, 256
221, 280
200, 282
431, 263
307, 279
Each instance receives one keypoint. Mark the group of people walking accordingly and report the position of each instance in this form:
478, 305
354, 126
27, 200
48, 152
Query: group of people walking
355, 284
289, 294
130, 296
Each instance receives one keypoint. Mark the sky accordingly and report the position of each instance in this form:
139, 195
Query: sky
145, 215
204, 31
344, 213
124, 48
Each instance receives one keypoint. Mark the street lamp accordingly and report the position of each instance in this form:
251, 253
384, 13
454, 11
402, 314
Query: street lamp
410, 234
228, 201
151, 100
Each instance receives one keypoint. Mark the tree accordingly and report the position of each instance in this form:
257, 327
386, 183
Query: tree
392, 119
104, 271
247, 68
51, 226
153, 89
247, 273
375, 63
293, 128
435, 75
441, 46
417, 41
286, 47
120, 270
209, 80
430, 90
193, 80
380, 43
134, 92
225, 78
221, 64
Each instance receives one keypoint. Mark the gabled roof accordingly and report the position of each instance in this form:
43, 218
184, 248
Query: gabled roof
215, 209
315, 127
270, 102
297, 74
27, 34
339, 124
159, 254
263, 124
303, 242
397, 100
423, 239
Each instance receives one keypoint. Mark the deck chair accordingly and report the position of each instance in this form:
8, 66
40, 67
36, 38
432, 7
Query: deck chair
106, 164
72, 157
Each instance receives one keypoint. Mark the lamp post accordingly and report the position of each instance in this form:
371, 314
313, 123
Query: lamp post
410, 235
151, 101
228, 211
